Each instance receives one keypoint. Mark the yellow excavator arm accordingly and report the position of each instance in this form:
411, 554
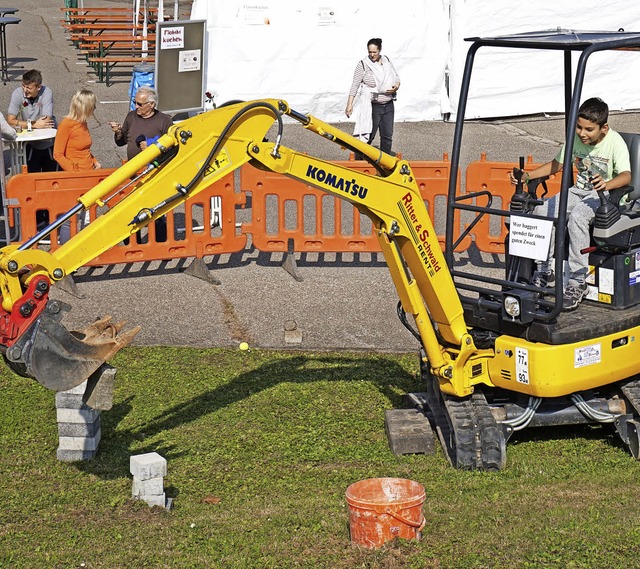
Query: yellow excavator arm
193, 155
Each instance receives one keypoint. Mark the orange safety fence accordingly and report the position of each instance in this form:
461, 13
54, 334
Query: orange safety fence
203, 225
490, 231
285, 210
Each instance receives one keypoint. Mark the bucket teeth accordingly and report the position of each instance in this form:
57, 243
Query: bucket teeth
104, 330
61, 359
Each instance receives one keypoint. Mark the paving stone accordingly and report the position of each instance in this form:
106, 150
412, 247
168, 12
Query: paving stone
149, 465
80, 443
79, 429
66, 455
76, 415
150, 487
159, 500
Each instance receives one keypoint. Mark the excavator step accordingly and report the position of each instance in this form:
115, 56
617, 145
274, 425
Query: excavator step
408, 432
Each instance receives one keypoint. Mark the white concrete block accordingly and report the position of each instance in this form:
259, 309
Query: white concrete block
80, 443
149, 465
144, 488
159, 500
76, 415
78, 389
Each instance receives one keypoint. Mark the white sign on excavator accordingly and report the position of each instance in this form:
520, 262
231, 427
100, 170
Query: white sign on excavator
529, 237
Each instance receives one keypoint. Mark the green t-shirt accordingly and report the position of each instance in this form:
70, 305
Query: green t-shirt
608, 158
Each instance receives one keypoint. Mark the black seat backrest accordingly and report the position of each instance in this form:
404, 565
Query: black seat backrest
633, 143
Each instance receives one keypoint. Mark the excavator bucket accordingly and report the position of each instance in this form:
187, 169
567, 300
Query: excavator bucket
61, 359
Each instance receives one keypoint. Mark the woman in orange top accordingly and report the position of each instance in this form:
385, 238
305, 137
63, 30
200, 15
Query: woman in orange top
72, 147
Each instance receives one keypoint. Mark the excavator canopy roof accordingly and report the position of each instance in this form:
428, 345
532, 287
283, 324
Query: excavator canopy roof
561, 39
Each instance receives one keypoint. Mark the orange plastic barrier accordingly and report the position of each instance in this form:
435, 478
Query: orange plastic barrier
47, 195
285, 209
432, 178
194, 229
493, 177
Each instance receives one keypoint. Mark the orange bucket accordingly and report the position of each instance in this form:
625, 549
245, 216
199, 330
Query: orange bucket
381, 509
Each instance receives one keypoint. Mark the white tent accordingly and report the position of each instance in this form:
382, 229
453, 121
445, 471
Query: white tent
305, 52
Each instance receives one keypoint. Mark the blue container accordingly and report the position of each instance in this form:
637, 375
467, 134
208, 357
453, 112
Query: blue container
143, 76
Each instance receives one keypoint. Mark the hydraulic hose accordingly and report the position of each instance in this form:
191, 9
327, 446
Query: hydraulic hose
520, 422
589, 412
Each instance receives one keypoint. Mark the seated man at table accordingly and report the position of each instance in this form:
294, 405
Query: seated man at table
33, 102
8, 133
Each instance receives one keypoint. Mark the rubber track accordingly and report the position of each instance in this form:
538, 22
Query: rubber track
631, 390
479, 442
467, 430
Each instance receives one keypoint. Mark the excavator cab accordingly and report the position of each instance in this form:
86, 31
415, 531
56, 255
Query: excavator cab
509, 303
567, 383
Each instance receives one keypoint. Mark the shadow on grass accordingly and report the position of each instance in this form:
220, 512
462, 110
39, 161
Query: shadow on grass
112, 460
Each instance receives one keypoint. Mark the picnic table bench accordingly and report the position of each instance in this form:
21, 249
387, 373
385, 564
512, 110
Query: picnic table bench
78, 13
77, 31
97, 19
102, 45
104, 65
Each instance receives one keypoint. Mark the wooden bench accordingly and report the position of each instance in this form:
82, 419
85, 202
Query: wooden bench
138, 49
103, 9
104, 65
97, 20
75, 13
106, 46
77, 32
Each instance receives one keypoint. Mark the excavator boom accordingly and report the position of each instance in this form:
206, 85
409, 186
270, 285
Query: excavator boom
188, 159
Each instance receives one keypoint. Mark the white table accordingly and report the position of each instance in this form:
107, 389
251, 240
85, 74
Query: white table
18, 147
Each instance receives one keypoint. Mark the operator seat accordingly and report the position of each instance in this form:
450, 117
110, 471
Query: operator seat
617, 222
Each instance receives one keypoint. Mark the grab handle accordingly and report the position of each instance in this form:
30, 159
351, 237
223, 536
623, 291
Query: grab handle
420, 525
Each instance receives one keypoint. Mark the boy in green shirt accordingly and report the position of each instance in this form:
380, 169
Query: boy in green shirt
601, 159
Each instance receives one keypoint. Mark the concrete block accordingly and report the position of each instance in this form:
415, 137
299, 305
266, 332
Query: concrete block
80, 443
66, 400
79, 429
144, 488
149, 465
159, 500
99, 391
293, 336
66, 455
408, 432
77, 390
76, 415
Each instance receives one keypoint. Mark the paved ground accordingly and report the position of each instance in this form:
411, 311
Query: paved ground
342, 302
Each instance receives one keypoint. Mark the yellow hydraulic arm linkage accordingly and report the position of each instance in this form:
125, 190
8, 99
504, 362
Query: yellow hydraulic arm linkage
192, 156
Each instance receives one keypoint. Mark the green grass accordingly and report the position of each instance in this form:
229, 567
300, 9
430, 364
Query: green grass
278, 437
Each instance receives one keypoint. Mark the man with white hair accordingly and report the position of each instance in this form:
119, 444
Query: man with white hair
143, 124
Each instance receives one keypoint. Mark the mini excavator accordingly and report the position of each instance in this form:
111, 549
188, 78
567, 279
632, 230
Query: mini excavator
497, 353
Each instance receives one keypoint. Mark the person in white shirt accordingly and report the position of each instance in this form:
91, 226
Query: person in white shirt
376, 81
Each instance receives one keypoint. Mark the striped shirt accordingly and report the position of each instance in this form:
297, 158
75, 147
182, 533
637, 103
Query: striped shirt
363, 74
